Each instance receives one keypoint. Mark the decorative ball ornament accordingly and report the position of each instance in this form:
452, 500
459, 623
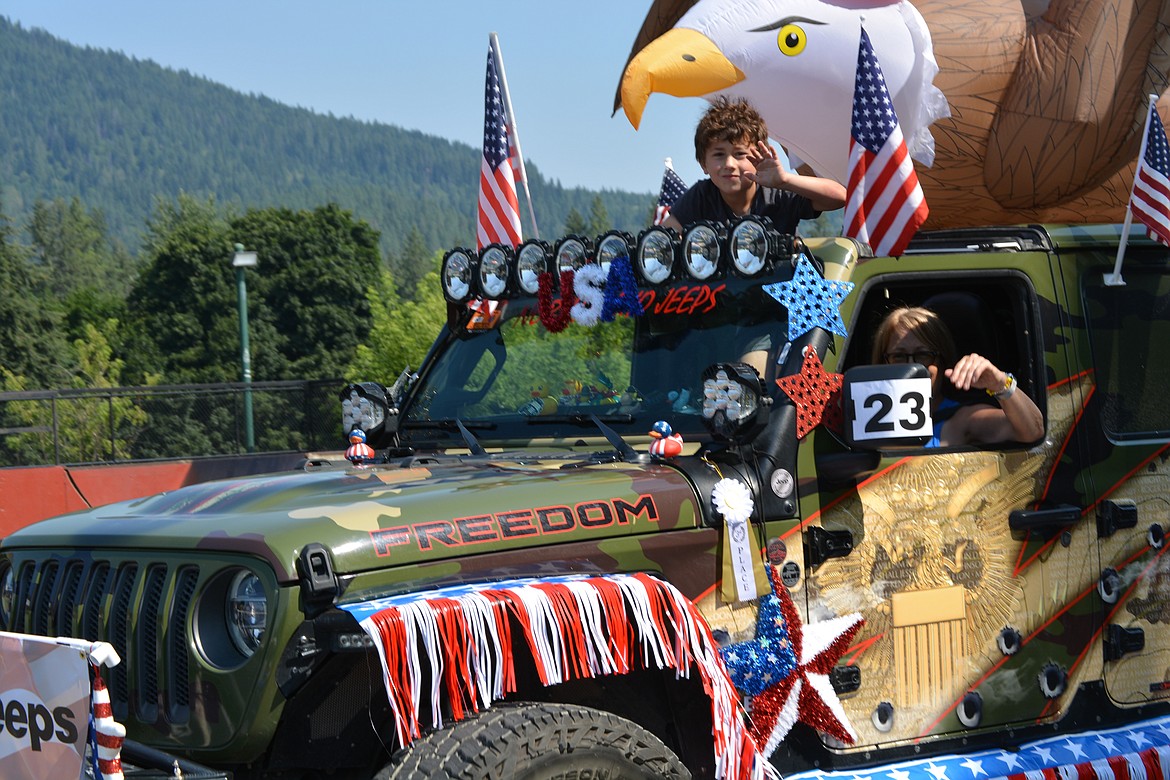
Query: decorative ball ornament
812, 301
816, 393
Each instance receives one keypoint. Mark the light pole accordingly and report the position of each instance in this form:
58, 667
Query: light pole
240, 261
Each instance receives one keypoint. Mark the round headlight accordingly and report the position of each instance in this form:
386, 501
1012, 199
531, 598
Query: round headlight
572, 253
494, 262
611, 246
701, 251
656, 252
246, 612
531, 262
457, 275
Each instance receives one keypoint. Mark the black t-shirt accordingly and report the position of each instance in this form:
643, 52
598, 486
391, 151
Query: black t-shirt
704, 201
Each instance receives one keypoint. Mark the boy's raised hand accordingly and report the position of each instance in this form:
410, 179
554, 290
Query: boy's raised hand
769, 170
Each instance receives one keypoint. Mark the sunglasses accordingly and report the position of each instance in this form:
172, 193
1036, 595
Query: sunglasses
924, 356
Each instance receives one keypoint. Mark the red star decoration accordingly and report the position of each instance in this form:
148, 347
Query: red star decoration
816, 393
805, 695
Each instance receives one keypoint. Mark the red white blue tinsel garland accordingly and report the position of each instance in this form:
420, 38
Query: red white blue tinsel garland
576, 627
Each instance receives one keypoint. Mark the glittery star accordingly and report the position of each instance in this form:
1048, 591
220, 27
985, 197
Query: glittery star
807, 654
816, 393
811, 300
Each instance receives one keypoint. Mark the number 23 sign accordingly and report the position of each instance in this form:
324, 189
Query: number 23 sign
885, 408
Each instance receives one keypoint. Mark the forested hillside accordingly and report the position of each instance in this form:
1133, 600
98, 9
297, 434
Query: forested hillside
117, 132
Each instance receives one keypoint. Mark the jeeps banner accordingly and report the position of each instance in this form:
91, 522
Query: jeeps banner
44, 708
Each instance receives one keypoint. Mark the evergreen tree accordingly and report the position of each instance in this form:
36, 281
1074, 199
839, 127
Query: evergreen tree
598, 217
414, 261
575, 223
31, 343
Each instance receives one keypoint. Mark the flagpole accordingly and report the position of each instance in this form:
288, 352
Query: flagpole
1114, 279
510, 118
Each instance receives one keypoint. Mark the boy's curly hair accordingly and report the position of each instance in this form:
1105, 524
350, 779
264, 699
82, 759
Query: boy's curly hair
734, 121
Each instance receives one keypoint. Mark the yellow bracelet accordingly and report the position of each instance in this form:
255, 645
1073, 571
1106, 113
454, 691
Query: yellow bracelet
1009, 387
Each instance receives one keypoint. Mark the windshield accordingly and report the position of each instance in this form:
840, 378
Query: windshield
519, 381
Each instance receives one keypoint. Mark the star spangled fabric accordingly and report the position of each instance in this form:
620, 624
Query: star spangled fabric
498, 220
672, 188
1137, 751
1151, 184
884, 203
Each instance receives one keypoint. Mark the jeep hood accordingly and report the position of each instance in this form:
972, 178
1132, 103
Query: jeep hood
388, 515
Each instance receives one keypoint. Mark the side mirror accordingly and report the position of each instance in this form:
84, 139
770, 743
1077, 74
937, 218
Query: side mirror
887, 406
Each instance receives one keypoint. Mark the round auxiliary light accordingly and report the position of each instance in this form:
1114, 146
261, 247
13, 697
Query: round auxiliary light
611, 246
572, 253
532, 259
753, 245
700, 249
657, 248
458, 275
495, 262
734, 404
364, 405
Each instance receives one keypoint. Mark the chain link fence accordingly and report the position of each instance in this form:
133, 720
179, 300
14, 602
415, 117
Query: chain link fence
106, 425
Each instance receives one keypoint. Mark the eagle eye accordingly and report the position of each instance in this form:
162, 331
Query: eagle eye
791, 39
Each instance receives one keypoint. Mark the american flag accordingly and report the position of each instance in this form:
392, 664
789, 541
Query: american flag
672, 188
1151, 183
884, 202
499, 206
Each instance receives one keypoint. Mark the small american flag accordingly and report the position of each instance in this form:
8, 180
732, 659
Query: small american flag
499, 207
884, 203
1151, 183
672, 188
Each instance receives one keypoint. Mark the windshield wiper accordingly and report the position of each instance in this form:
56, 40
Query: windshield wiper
455, 424
624, 450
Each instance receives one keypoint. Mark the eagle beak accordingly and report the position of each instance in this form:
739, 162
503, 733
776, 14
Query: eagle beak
681, 62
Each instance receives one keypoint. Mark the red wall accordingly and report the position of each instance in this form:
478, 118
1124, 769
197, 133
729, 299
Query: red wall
34, 493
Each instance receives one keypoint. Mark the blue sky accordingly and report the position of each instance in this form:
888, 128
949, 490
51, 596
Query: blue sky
416, 65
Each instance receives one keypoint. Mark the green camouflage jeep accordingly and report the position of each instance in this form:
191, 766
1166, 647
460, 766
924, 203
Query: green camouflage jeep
647, 510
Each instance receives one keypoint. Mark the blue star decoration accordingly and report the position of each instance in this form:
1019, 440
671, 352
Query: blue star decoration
786, 667
811, 300
766, 660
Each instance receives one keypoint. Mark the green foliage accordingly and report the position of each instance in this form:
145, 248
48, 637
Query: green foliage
575, 224
72, 245
117, 132
31, 344
598, 217
414, 261
306, 298
84, 423
402, 332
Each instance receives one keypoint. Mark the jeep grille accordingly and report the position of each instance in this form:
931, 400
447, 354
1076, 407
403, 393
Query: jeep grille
142, 608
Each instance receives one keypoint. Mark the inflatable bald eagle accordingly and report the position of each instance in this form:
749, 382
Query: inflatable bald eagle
1014, 110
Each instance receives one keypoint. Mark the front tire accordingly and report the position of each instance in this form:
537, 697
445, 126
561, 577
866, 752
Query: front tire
537, 742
